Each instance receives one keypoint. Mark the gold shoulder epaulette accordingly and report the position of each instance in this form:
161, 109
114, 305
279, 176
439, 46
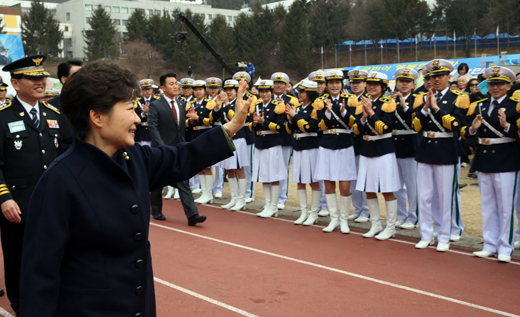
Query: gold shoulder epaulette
514, 99
516, 94
325, 95
5, 105
210, 104
259, 101
389, 104
419, 100
51, 107
280, 106
156, 97
249, 95
473, 106
138, 98
348, 96
456, 92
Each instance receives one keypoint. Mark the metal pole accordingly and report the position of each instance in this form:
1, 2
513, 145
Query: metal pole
416, 53
350, 57
322, 57
398, 54
454, 48
498, 45
435, 49
381, 51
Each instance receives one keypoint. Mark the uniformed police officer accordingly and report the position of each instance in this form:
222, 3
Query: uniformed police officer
280, 81
496, 160
200, 119
3, 91
142, 135
30, 141
358, 85
336, 158
213, 85
405, 140
438, 117
250, 138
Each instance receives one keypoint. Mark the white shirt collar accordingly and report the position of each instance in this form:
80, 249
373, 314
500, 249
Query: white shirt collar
499, 100
28, 107
444, 91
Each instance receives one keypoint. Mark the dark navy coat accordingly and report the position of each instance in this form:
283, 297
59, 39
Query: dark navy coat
142, 133
275, 118
338, 140
204, 110
440, 151
381, 121
495, 158
405, 145
305, 120
287, 139
250, 135
86, 249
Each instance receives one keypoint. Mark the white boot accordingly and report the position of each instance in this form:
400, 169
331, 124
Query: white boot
302, 198
176, 194
267, 198
241, 201
273, 209
344, 211
315, 208
202, 181
332, 204
233, 188
169, 193
373, 209
207, 194
391, 218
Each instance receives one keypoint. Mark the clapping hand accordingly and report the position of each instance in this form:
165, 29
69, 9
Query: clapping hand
477, 122
367, 108
503, 119
328, 104
258, 119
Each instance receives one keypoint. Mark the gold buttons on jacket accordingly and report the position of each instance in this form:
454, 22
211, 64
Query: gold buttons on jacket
126, 156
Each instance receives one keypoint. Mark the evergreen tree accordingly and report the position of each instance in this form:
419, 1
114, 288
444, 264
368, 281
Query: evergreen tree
296, 41
100, 37
40, 31
249, 40
158, 30
136, 25
220, 35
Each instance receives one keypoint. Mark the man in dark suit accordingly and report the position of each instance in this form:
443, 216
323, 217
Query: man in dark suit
29, 142
167, 124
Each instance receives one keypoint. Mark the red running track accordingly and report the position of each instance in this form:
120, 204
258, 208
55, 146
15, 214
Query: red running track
238, 264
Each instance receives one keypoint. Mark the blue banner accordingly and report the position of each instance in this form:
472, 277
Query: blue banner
476, 65
11, 48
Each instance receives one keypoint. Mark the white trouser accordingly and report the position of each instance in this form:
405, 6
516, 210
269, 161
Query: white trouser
446, 183
248, 170
497, 195
517, 204
284, 183
218, 185
407, 195
194, 181
359, 198
323, 201
457, 226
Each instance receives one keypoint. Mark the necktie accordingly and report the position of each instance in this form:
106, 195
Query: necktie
34, 115
174, 111
495, 108
439, 97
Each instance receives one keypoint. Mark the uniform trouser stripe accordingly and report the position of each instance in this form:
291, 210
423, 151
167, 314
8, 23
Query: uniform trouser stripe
252, 186
417, 199
289, 164
455, 198
512, 229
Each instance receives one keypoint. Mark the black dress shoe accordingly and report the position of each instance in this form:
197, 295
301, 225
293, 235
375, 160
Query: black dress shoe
462, 185
159, 216
195, 219
2, 293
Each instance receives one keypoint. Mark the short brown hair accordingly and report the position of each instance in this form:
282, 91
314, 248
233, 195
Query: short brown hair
97, 86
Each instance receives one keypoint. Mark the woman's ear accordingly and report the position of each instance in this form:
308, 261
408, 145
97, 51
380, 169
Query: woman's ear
96, 118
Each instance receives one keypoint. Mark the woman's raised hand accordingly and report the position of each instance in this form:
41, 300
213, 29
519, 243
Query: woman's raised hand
241, 109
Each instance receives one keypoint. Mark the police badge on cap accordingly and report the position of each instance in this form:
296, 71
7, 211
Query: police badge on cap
27, 66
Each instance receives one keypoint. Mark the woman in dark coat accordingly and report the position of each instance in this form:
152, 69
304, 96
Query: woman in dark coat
86, 249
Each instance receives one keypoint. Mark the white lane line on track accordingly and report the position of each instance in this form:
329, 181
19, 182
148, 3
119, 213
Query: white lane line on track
358, 233
207, 299
5, 313
366, 278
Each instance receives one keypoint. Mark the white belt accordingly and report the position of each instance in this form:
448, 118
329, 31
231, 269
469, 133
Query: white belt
264, 132
305, 135
337, 131
377, 137
436, 135
403, 132
217, 123
144, 124
495, 141
201, 127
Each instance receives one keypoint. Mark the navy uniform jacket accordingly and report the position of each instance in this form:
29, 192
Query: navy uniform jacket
226, 112
495, 158
86, 249
142, 133
275, 117
26, 152
405, 145
287, 139
440, 151
338, 140
204, 111
358, 139
66, 131
250, 135
305, 120
381, 121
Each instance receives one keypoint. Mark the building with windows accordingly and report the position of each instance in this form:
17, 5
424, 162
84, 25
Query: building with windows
77, 14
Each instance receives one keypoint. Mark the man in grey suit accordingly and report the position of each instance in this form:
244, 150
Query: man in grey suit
167, 125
